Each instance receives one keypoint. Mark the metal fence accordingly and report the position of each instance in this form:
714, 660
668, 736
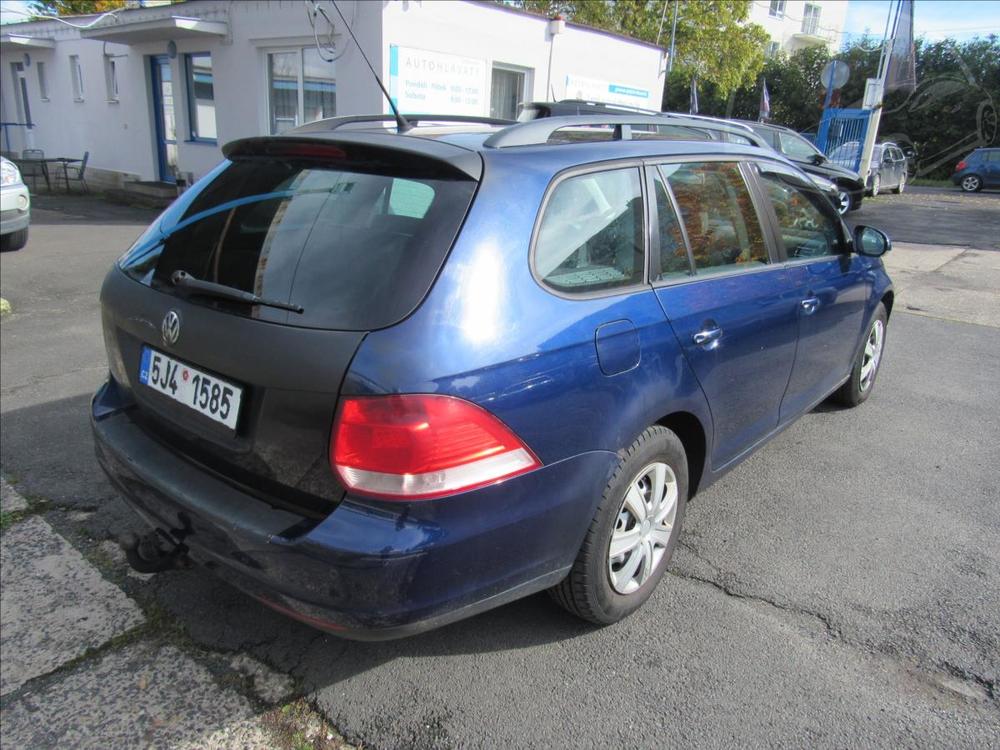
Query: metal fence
841, 135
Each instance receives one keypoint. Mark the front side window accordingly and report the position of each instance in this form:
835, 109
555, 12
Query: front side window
201, 96
302, 87
805, 217
718, 213
591, 235
796, 146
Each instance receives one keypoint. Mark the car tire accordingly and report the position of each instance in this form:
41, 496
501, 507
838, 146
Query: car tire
876, 184
901, 186
860, 384
600, 587
971, 183
14, 240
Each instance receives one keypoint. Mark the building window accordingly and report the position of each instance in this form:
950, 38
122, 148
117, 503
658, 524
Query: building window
507, 92
777, 9
201, 96
43, 84
111, 77
810, 20
77, 73
301, 88
773, 48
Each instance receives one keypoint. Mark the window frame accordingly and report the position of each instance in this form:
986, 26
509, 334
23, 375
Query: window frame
775, 256
646, 231
76, 78
526, 83
43, 81
300, 83
811, 13
777, 8
111, 79
753, 168
192, 120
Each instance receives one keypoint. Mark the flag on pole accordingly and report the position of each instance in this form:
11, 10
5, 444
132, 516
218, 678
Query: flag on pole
694, 96
902, 68
765, 102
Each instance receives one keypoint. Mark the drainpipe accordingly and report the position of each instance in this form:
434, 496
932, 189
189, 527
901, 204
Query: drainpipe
557, 25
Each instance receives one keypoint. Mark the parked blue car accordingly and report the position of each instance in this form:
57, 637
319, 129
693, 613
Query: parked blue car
979, 169
386, 380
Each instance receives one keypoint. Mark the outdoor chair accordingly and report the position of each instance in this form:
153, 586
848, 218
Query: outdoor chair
31, 168
76, 172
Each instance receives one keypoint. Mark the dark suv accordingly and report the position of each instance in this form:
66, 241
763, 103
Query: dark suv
810, 159
384, 380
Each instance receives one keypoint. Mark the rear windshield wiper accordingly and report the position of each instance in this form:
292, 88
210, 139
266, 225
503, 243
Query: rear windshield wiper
184, 280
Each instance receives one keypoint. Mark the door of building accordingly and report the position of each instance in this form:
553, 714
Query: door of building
165, 125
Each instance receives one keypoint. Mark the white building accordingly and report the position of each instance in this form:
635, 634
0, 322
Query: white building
154, 92
794, 24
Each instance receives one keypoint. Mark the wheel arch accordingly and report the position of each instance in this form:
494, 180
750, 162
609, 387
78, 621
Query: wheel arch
887, 300
691, 433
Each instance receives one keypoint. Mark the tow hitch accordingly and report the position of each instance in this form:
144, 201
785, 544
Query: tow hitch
156, 551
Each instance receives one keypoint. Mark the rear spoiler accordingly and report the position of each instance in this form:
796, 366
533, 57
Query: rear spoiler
405, 153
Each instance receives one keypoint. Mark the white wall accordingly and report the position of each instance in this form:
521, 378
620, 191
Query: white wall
120, 135
783, 30
499, 36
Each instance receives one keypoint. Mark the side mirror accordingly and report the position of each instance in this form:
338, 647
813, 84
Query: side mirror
871, 242
818, 159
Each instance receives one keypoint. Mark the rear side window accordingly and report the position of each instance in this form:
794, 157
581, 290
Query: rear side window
591, 235
718, 213
357, 245
992, 155
673, 252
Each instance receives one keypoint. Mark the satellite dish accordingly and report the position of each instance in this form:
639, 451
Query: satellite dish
835, 74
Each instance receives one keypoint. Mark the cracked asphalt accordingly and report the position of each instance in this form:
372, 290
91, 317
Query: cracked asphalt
841, 587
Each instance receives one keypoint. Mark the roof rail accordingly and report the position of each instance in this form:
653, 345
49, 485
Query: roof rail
594, 102
736, 124
539, 131
332, 123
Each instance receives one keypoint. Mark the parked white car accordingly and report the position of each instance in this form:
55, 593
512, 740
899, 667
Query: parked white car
15, 207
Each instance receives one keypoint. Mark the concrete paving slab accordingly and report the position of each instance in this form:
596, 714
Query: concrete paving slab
11, 501
951, 283
140, 696
55, 605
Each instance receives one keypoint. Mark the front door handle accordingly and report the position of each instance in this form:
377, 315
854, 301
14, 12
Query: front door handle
707, 336
809, 305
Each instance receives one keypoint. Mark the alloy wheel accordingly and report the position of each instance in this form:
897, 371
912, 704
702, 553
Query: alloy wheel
643, 527
872, 354
843, 202
970, 183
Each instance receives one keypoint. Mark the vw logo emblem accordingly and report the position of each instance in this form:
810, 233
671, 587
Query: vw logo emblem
171, 328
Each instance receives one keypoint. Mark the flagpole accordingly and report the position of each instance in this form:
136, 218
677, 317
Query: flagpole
888, 39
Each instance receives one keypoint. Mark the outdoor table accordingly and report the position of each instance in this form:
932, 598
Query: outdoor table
65, 161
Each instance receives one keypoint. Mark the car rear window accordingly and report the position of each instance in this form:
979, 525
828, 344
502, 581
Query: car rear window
355, 243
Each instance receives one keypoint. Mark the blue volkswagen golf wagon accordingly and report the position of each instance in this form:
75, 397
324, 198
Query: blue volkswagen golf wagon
385, 380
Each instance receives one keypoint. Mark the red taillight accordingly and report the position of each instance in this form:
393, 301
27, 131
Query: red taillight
960, 166
422, 446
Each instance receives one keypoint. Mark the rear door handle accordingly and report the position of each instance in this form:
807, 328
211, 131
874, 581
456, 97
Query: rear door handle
809, 305
707, 336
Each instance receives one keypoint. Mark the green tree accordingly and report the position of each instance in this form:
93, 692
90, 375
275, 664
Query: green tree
714, 40
73, 7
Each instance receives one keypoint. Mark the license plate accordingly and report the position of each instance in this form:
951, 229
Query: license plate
206, 394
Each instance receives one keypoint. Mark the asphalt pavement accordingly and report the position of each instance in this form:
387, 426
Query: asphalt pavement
841, 587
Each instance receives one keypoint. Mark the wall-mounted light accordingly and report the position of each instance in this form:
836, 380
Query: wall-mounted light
27, 60
171, 49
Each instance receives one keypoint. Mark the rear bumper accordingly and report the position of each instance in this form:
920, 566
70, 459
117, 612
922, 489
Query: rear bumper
370, 570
